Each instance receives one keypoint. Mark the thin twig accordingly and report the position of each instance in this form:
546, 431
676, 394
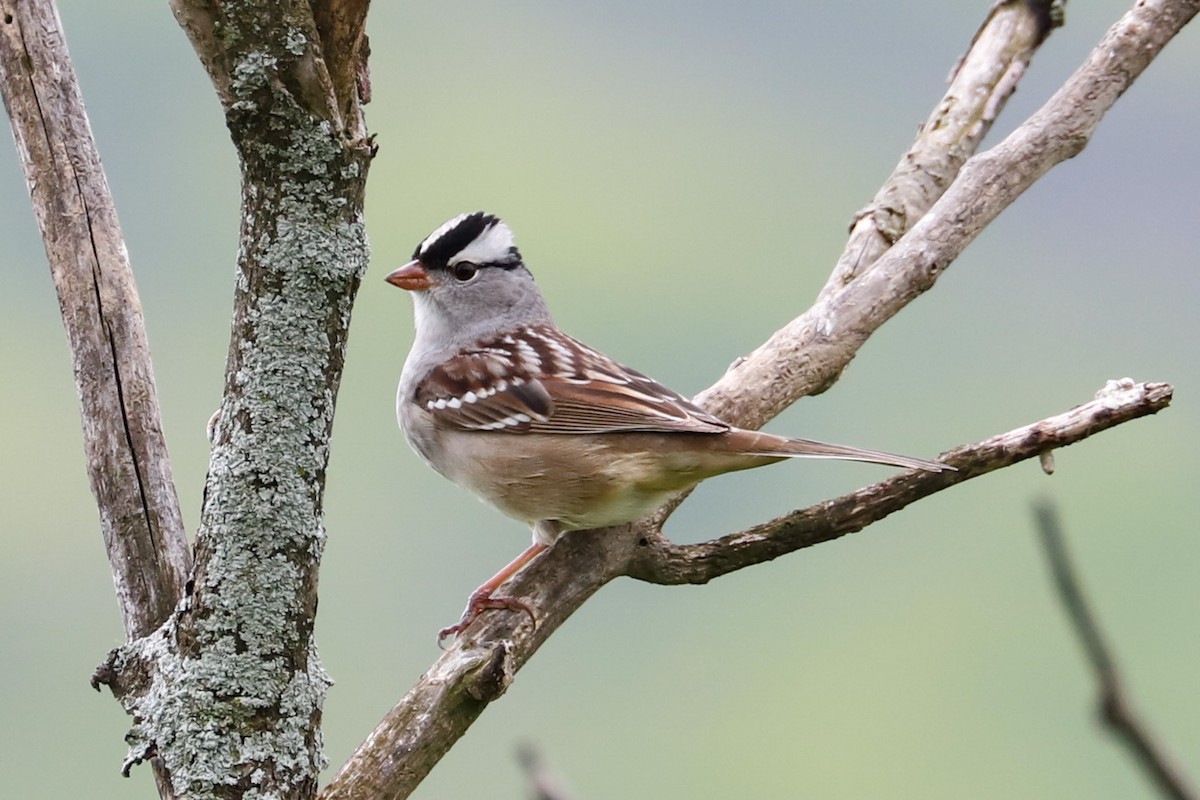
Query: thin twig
543, 784
1113, 704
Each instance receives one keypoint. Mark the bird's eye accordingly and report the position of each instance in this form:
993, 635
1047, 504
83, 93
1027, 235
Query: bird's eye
464, 271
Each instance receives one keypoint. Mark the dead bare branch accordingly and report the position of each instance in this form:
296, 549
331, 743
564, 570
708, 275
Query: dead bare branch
128, 465
809, 352
660, 561
478, 668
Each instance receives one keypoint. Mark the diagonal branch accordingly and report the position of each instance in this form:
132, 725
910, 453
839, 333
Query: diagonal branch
128, 466
812, 350
1114, 705
477, 669
200, 20
789, 365
660, 561
803, 357
980, 86
542, 782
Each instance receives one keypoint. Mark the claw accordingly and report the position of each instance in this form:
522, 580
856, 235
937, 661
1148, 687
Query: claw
481, 599
479, 603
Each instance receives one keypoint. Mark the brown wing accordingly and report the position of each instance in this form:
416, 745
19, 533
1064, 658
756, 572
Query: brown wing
538, 379
484, 389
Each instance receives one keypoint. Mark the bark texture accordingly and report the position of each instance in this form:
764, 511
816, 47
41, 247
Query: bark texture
227, 695
813, 349
127, 459
221, 675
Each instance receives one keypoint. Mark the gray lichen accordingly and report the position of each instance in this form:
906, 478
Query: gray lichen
192, 716
228, 694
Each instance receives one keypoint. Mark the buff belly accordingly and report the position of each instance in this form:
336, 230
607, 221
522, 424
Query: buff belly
578, 481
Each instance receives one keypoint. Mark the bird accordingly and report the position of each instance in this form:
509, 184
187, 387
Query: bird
496, 398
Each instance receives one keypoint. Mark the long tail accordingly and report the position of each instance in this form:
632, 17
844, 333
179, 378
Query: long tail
766, 444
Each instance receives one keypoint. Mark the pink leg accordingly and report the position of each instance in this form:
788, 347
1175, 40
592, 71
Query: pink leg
481, 599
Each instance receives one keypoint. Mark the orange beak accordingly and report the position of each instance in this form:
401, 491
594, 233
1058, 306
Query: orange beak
412, 276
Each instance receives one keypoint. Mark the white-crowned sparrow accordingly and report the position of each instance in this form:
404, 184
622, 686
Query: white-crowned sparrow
500, 401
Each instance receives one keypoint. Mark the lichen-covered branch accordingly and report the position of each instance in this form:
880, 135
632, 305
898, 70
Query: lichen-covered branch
226, 697
327, 67
660, 561
127, 461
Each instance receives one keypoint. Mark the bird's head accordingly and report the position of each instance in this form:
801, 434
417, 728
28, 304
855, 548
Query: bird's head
468, 277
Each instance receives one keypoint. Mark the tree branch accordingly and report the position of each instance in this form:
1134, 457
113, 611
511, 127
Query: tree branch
342, 28
477, 668
789, 366
199, 19
236, 663
980, 85
812, 350
542, 782
127, 460
1113, 704
660, 561
803, 357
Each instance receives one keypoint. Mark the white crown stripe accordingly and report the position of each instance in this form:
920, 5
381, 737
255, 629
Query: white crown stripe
490, 247
441, 231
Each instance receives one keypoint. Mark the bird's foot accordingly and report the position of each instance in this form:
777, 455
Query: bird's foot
480, 602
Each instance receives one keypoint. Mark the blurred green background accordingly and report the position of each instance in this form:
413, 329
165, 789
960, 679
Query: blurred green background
680, 176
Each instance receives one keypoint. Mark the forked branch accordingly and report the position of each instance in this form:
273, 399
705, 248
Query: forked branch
805, 356
811, 351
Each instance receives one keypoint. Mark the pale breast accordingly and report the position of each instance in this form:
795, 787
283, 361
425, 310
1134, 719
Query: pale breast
579, 481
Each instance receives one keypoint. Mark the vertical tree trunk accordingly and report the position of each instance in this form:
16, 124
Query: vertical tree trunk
227, 696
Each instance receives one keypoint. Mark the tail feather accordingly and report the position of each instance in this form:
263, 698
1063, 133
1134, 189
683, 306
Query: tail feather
765, 444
